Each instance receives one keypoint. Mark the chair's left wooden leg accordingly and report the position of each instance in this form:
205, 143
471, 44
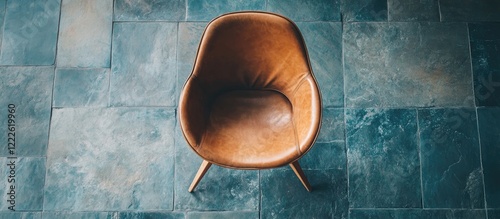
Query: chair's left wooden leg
201, 172
298, 171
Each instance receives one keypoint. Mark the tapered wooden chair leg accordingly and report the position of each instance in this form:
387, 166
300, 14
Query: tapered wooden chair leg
201, 172
298, 171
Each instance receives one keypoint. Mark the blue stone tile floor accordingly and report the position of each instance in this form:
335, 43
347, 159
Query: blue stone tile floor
411, 111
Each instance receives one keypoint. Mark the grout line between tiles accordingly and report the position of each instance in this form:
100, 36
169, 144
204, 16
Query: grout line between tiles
175, 110
51, 108
481, 161
175, 155
477, 119
387, 6
439, 9
260, 195
345, 117
186, 10
420, 160
58, 34
108, 104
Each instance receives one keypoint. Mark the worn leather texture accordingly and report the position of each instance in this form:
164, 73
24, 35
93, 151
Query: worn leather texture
251, 101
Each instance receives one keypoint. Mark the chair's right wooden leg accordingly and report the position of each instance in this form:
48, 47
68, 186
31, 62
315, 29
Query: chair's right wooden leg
201, 172
298, 171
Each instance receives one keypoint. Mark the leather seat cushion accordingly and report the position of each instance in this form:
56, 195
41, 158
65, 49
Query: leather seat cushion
250, 129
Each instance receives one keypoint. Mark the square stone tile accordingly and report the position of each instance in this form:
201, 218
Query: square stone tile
206, 10
143, 71
383, 161
223, 215
27, 175
363, 10
151, 215
489, 132
407, 65
103, 159
451, 168
283, 196
324, 45
325, 156
190, 35
385, 213
79, 215
416, 213
30, 90
21, 215
85, 34
150, 10
30, 32
485, 52
413, 10
454, 213
81, 87
297, 10
221, 189
470, 10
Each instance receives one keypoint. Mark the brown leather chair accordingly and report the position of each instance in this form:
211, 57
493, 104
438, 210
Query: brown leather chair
251, 101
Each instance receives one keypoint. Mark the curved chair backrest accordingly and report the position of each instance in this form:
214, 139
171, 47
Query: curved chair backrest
251, 50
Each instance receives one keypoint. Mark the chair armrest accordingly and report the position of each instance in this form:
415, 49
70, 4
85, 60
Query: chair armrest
306, 102
193, 113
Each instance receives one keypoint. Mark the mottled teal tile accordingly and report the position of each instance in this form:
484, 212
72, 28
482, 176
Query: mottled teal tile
363, 10
143, 71
224, 215
451, 169
383, 161
485, 53
221, 189
324, 45
85, 34
332, 125
190, 36
206, 10
30, 32
493, 213
385, 214
150, 10
103, 159
484, 31
81, 87
416, 214
30, 90
27, 175
470, 10
297, 10
407, 64
489, 132
454, 214
21, 215
413, 10
79, 215
2, 17
151, 215
283, 196
325, 156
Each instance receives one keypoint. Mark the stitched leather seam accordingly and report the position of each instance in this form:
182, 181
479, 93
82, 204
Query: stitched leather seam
293, 113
